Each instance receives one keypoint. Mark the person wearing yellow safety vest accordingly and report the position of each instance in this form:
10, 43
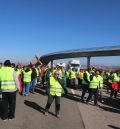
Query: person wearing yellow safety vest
26, 80
101, 84
85, 83
67, 75
73, 78
93, 87
80, 78
115, 84
8, 85
55, 91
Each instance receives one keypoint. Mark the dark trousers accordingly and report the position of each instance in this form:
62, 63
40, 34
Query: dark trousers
113, 92
79, 83
91, 93
85, 88
68, 82
8, 104
57, 103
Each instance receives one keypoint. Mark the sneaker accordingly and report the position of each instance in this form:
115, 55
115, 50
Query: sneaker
86, 102
23, 94
26, 94
11, 118
5, 120
82, 100
97, 105
33, 92
46, 113
58, 115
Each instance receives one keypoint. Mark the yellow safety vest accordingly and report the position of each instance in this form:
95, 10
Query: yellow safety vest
80, 75
94, 84
27, 76
37, 71
100, 79
73, 74
55, 87
116, 78
19, 71
67, 74
7, 79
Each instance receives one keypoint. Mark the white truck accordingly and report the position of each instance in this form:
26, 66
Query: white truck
74, 64
61, 64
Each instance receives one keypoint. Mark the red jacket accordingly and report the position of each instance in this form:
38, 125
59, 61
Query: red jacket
115, 86
20, 83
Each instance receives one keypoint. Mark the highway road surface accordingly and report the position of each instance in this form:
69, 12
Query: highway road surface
30, 114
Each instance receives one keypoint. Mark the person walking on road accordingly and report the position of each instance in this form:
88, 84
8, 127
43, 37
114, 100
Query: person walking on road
55, 91
94, 84
26, 80
8, 85
85, 83
33, 79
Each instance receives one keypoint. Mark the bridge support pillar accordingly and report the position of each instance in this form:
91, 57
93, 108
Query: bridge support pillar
88, 62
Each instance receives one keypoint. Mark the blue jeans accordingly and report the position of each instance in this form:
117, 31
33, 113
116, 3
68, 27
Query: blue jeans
91, 93
26, 88
33, 84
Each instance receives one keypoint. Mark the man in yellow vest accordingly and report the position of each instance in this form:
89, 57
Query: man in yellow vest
80, 78
115, 84
55, 91
101, 84
73, 78
93, 87
26, 80
8, 85
85, 83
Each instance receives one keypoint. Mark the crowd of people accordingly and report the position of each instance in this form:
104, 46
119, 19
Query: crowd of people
55, 81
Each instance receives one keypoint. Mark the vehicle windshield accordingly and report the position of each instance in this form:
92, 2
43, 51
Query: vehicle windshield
75, 65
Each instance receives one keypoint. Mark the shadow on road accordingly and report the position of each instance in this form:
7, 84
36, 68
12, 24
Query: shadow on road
114, 127
37, 107
113, 102
41, 91
34, 106
111, 105
72, 97
110, 109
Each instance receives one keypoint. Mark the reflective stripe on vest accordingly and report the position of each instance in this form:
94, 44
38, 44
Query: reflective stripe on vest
27, 76
94, 83
7, 79
55, 87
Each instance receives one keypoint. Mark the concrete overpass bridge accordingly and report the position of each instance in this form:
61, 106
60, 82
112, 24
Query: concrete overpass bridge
87, 52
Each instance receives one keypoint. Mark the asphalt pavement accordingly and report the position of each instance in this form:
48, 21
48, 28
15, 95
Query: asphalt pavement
30, 114
74, 114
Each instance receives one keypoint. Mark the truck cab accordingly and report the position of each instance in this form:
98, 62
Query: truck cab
74, 64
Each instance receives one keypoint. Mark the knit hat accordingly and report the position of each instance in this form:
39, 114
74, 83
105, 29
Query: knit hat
7, 63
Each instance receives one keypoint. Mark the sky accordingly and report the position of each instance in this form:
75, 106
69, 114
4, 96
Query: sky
38, 27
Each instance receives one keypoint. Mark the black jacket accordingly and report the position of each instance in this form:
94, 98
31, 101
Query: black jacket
34, 74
